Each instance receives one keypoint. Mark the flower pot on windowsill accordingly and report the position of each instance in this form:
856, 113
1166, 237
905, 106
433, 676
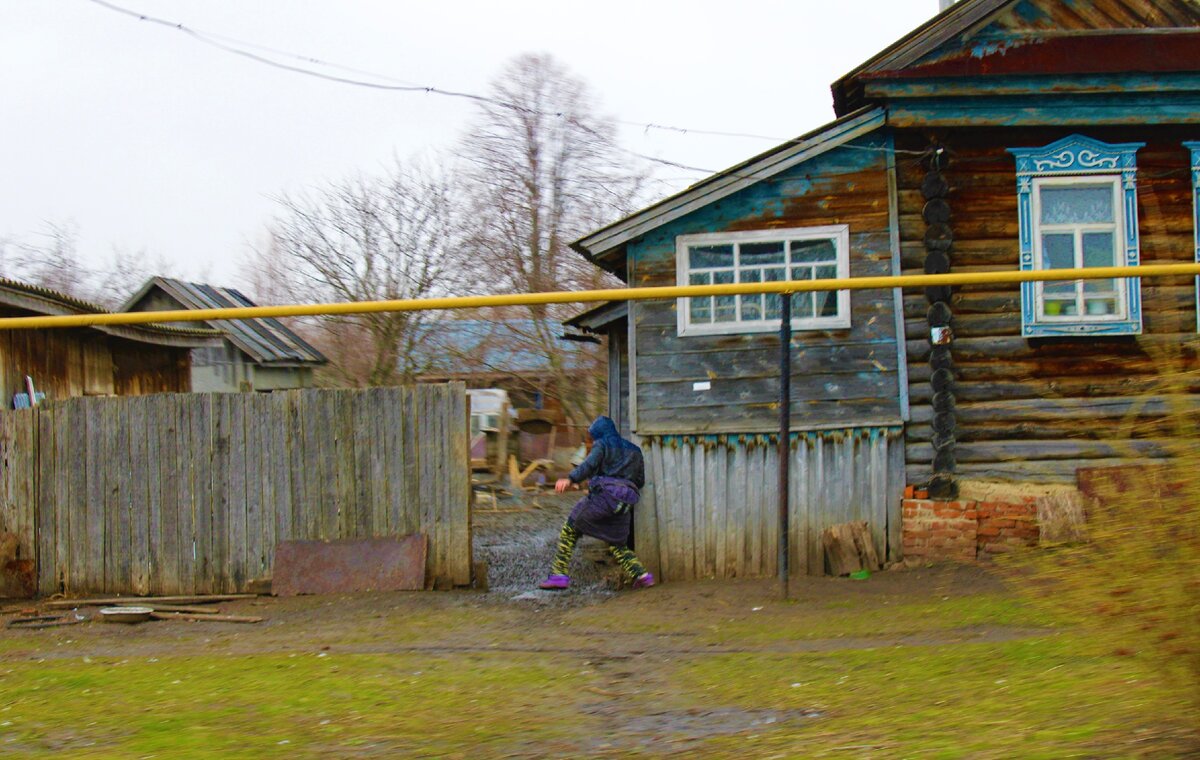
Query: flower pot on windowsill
1053, 308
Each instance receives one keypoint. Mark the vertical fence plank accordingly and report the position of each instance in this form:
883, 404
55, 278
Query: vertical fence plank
90, 454
116, 535
296, 466
459, 478
343, 410
167, 560
193, 434
362, 445
313, 465
276, 489
325, 437
139, 493
45, 527
235, 502
68, 490
425, 431
219, 530
392, 432
256, 424
208, 438
411, 462
155, 423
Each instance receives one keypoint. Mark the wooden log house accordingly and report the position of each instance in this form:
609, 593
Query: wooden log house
1001, 135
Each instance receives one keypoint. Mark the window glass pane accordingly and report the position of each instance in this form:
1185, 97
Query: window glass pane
802, 305
825, 273
775, 275
722, 278
710, 256
752, 307
806, 251
1086, 204
726, 309
700, 309
826, 303
1055, 308
1100, 306
756, 254
1098, 250
1058, 251
802, 273
751, 275
774, 306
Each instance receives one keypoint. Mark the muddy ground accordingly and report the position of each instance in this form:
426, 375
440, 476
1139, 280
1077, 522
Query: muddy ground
695, 669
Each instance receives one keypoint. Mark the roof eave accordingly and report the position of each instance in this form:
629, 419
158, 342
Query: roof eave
600, 244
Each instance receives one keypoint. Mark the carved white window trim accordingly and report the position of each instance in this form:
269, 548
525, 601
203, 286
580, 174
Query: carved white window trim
1085, 158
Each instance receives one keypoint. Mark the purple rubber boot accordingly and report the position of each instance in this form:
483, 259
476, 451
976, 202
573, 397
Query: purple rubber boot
557, 582
645, 580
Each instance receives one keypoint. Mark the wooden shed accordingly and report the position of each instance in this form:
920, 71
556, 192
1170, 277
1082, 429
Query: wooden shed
1001, 135
120, 360
252, 355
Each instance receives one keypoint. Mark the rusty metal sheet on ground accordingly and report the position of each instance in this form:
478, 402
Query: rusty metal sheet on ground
350, 564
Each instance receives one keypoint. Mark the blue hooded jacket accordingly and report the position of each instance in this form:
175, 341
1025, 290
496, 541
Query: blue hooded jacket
611, 456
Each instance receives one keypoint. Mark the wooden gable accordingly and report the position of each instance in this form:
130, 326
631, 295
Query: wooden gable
1032, 38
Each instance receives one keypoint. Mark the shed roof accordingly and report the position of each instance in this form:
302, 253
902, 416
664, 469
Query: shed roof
266, 340
44, 301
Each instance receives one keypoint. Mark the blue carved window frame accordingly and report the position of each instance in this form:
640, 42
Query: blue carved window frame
1079, 156
1194, 147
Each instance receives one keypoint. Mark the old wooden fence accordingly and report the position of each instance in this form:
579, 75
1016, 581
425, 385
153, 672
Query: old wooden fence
189, 493
711, 509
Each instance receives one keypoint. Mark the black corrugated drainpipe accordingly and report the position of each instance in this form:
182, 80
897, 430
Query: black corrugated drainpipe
785, 423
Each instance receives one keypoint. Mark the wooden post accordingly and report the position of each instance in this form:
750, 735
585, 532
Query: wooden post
785, 424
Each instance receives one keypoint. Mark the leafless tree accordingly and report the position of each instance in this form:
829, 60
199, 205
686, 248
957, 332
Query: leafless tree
542, 168
51, 259
364, 239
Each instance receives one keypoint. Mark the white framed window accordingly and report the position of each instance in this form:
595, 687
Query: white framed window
803, 253
1077, 208
1077, 224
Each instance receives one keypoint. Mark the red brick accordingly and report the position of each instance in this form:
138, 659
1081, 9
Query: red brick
987, 530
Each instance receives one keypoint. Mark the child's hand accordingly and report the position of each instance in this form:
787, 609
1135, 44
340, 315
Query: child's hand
562, 485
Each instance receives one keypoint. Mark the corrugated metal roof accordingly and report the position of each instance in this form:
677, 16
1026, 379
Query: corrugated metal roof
23, 295
466, 346
266, 341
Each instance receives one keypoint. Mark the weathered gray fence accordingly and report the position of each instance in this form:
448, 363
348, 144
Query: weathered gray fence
712, 510
189, 493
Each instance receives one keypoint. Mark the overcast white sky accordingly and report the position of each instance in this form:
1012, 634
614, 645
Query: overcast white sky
146, 139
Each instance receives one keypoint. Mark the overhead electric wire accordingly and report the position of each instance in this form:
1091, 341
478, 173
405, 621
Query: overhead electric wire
214, 39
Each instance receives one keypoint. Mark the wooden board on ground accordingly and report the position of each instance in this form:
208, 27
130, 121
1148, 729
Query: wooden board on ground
66, 604
849, 548
349, 565
205, 618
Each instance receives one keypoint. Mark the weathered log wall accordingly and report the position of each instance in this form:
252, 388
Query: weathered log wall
1036, 409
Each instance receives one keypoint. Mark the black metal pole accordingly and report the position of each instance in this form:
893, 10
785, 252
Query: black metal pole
785, 425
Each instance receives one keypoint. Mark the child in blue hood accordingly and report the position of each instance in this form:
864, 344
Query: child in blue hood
615, 474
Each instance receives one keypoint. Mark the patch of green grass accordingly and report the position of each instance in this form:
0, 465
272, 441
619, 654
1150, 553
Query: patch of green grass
780, 622
281, 705
1032, 698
